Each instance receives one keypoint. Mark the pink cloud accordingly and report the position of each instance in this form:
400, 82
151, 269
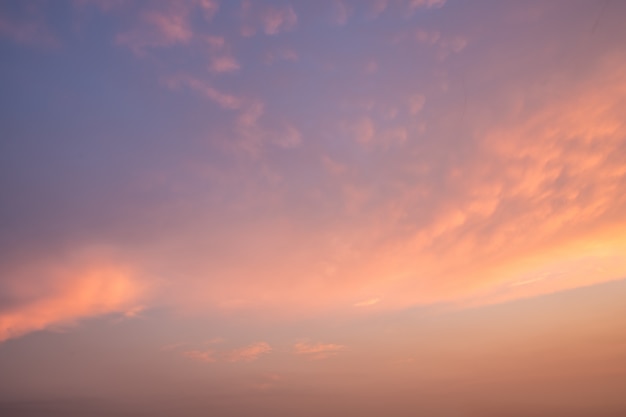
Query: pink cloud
222, 64
445, 45
378, 7
159, 28
224, 100
341, 12
216, 43
31, 30
249, 353
276, 20
316, 351
206, 356
427, 37
290, 137
285, 54
52, 294
210, 8
363, 130
104, 5
517, 197
160, 24
416, 103
427, 4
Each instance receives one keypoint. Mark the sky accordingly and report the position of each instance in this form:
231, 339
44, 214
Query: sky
312, 208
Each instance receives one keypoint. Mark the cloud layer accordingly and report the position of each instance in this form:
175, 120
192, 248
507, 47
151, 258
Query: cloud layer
258, 170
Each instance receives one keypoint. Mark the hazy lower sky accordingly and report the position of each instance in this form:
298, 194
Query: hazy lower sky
312, 208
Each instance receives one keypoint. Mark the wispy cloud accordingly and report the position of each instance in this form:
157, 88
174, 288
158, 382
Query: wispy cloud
341, 12
29, 28
316, 351
224, 100
249, 353
225, 63
206, 356
162, 24
276, 20
367, 303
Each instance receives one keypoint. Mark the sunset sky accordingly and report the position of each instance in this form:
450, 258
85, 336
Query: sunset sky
312, 208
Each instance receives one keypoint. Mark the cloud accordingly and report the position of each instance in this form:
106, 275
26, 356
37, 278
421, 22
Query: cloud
29, 29
103, 5
165, 24
50, 294
276, 20
210, 8
223, 64
444, 45
371, 67
367, 303
333, 166
158, 28
216, 43
363, 130
249, 353
315, 351
289, 138
284, 54
378, 7
341, 12
206, 356
427, 4
224, 100
416, 104
314, 186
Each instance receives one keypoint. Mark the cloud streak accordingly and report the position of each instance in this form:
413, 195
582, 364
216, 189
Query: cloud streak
317, 351
249, 353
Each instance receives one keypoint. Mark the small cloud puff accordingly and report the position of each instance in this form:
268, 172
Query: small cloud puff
367, 303
206, 356
426, 4
223, 64
249, 353
314, 351
416, 104
341, 13
277, 20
